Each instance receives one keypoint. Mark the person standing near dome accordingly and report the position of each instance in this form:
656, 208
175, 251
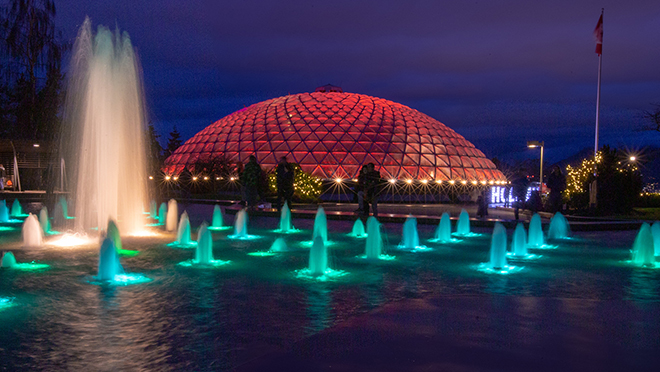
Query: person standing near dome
251, 180
285, 175
374, 184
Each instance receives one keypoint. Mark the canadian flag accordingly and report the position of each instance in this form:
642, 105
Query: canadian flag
598, 34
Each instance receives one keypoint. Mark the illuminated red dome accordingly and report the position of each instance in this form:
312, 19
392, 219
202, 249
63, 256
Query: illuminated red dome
332, 134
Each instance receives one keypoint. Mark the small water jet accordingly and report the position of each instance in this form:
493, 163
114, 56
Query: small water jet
286, 225
241, 226
498, 263
218, 219
443, 231
655, 231
172, 215
9, 262
498, 247
410, 236
4, 212
643, 253
279, 245
358, 229
183, 235
536, 239
44, 222
60, 213
32, 234
162, 214
463, 225
374, 245
519, 244
16, 209
112, 233
109, 265
559, 228
153, 210
320, 226
318, 257
204, 251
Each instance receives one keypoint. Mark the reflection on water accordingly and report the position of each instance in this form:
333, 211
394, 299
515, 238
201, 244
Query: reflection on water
217, 318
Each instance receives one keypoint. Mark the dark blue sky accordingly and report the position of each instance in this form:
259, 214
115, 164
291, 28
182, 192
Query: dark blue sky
498, 72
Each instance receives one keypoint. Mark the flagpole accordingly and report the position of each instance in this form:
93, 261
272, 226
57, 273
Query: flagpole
600, 66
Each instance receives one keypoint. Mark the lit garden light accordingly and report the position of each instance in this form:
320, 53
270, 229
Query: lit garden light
531, 145
167, 178
425, 181
392, 180
409, 181
338, 180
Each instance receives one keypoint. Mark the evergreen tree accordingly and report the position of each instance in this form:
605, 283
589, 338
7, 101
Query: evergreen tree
154, 150
173, 143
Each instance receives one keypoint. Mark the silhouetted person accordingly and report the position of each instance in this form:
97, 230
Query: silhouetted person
482, 206
519, 193
251, 180
361, 189
374, 185
285, 174
3, 174
557, 184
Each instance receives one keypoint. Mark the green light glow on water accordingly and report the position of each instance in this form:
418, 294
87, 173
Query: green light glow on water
213, 263
528, 256
329, 274
14, 221
419, 248
6, 302
655, 265
53, 232
190, 245
290, 231
212, 228
262, 254
507, 269
544, 246
127, 252
452, 240
357, 236
154, 224
31, 266
244, 237
7, 228
383, 257
122, 280
309, 243
468, 235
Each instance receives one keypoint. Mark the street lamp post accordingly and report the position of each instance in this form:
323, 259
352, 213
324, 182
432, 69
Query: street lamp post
532, 144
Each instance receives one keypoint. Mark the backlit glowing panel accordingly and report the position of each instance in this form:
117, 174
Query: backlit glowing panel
332, 134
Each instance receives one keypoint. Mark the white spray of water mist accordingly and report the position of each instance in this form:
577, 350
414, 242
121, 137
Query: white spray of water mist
105, 113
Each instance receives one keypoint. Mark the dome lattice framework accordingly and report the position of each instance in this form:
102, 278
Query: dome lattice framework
332, 134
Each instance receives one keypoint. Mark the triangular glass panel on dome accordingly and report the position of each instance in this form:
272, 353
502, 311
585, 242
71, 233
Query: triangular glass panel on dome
233, 146
426, 162
298, 156
326, 158
300, 146
411, 159
333, 171
319, 147
451, 150
283, 146
262, 146
292, 136
318, 172
219, 147
309, 159
279, 154
351, 160
443, 173
455, 161
442, 161
471, 174
269, 159
425, 173
389, 160
331, 145
458, 172
466, 162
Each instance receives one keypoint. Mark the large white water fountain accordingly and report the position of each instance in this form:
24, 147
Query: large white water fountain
105, 114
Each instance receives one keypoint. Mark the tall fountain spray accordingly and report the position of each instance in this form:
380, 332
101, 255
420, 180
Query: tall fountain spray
519, 243
172, 215
498, 247
535, 239
318, 257
374, 245
60, 213
32, 234
410, 239
153, 210
105, 114
204, 252
443, 232
463, 225
643, 251
217, 221
558, 227
109, 265
112, 233
285, 219
320, 226
655, 231
358, 229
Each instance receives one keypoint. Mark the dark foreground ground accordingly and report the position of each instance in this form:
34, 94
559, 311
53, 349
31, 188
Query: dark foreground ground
483, 333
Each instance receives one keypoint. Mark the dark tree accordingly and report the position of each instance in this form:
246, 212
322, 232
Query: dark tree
32, 68
653, 118
173, 143
618, 186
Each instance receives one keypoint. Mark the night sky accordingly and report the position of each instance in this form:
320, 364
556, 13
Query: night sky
498, 72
